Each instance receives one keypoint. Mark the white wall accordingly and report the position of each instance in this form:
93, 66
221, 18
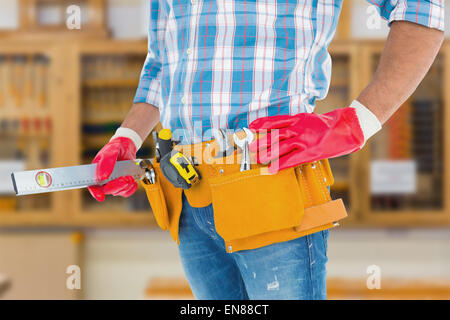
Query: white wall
9, 14
119, 264
36, 261
360, 26
128, 18
399, 253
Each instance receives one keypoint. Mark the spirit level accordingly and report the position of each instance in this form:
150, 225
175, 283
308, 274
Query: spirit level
67, 178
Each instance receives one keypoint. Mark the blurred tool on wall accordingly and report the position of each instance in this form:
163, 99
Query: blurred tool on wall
25, 123
414, 136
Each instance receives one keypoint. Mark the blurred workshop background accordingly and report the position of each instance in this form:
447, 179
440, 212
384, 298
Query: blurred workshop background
62, 94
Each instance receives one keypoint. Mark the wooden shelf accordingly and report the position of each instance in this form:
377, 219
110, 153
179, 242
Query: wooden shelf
408, 216
337, 289
112, 83
34, 218
83, 215
66, 112
54, 111
138, 219
100, 219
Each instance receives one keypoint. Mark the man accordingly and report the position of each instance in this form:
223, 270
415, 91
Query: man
262, 64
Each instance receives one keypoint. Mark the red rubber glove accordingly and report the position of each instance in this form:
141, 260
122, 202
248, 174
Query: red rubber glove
120, 148
306, 137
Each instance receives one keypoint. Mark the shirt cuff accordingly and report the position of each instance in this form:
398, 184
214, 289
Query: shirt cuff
427, 13
149, 92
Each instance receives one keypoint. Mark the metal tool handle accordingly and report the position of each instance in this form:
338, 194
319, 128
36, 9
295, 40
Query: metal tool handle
245, 163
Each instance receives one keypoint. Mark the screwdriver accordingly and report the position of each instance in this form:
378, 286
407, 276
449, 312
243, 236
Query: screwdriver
165, 144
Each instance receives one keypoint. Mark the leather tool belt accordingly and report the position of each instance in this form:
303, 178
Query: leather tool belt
252, 208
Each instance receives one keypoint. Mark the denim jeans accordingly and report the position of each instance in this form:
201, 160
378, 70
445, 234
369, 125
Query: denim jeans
293, 269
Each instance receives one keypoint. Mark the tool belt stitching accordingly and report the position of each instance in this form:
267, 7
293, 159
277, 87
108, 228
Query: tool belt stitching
307, 191
254, 174
321, 179
324, 179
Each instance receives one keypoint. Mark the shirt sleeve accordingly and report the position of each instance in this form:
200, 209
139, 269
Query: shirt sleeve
429, 13
149, 89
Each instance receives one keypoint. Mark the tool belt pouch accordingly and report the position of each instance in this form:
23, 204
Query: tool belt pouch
157, 201
253, 202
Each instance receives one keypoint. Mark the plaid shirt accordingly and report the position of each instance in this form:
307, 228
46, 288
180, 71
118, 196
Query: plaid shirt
224, 63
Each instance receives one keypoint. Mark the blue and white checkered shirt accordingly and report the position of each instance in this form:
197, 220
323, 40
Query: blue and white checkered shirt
224, 63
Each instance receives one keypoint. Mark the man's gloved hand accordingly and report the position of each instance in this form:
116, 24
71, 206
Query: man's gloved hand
308, 137
122, 146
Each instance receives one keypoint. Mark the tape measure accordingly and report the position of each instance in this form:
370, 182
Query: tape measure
67, 178
179, 170
175, 166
